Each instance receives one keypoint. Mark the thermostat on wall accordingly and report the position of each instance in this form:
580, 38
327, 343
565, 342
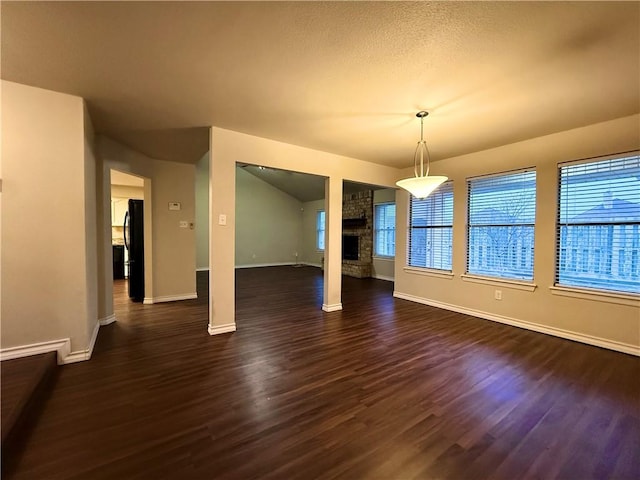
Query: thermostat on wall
174, 205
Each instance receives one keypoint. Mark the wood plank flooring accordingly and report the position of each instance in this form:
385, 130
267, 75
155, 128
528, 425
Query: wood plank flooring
26, 384
385, 389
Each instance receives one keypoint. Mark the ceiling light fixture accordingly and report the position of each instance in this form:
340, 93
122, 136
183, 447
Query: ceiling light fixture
420, 186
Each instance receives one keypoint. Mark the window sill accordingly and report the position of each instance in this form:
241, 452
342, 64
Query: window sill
500, 282
597, 295
385, 258
428, 272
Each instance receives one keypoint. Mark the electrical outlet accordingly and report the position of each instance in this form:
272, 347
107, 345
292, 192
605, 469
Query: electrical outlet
498, 295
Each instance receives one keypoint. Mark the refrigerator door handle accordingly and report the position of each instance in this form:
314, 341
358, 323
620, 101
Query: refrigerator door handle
124, 229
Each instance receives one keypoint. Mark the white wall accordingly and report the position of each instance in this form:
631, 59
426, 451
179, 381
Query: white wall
592, 319
268, 223
202, 213
172, 251
383, 267
49, 278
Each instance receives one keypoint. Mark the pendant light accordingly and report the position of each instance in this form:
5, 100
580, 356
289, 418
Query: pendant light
421, 184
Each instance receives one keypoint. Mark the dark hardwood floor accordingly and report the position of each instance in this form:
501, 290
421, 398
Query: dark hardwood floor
385, 389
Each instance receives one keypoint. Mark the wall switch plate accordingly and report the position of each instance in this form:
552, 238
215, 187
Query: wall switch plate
174, 206
222, 219
184, 224
498, 295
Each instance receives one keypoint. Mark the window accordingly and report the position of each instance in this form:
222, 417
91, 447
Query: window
598, 234
431, 228
502, 211
320, 230
385, 229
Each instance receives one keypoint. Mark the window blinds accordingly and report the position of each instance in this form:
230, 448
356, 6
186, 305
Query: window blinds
598, 228
430, 229
500, 237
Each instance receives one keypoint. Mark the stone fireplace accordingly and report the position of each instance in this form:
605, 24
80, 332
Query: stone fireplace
357, 221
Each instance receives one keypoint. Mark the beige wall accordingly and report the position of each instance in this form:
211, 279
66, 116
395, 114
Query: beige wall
104, 236
227, 148
90, 222
594, 320
48, 279
310, 254
126, 191
202, 213
268, 223
382, 267
172, 253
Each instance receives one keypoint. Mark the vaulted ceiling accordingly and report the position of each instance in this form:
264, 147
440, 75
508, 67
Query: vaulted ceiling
343, 77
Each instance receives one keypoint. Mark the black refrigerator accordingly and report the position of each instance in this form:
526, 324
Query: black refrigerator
134, 242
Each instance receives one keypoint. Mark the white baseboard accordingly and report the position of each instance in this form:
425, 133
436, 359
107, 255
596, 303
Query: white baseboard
309, 264
107, 320
169, 298
202, 269
332, 308
259, 265
384, 277
536, 327
62, 347
218, 329
83, 355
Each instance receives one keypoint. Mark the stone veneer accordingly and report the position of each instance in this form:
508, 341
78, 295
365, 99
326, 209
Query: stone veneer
356, 206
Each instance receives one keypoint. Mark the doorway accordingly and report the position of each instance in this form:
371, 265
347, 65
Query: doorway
127, 235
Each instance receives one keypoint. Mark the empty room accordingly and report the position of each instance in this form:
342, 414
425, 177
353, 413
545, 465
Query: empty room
320, 240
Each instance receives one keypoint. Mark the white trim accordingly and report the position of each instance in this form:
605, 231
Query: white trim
107, 320
500, 282
596, 295
75, 357
332, 308
202, 269
429, 272
169, 298
92, 341
218, 329
83, 355
62, 347
309, 264
260, 265
556, 332
384, 277
384, 258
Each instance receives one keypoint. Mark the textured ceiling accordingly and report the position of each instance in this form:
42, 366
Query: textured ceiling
344, 77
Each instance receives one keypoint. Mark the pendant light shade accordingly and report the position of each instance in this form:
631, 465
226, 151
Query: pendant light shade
421, 184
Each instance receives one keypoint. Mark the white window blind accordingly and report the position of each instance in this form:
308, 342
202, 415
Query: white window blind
320, 230
385, 229
502, 212
430, 229
598, 233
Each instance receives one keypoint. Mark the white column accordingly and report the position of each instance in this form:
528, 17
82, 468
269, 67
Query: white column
222, 206
332, 299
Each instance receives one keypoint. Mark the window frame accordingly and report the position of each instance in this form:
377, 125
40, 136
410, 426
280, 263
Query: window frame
563, 261
376, 230
445, 188
518, 281
321, 213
